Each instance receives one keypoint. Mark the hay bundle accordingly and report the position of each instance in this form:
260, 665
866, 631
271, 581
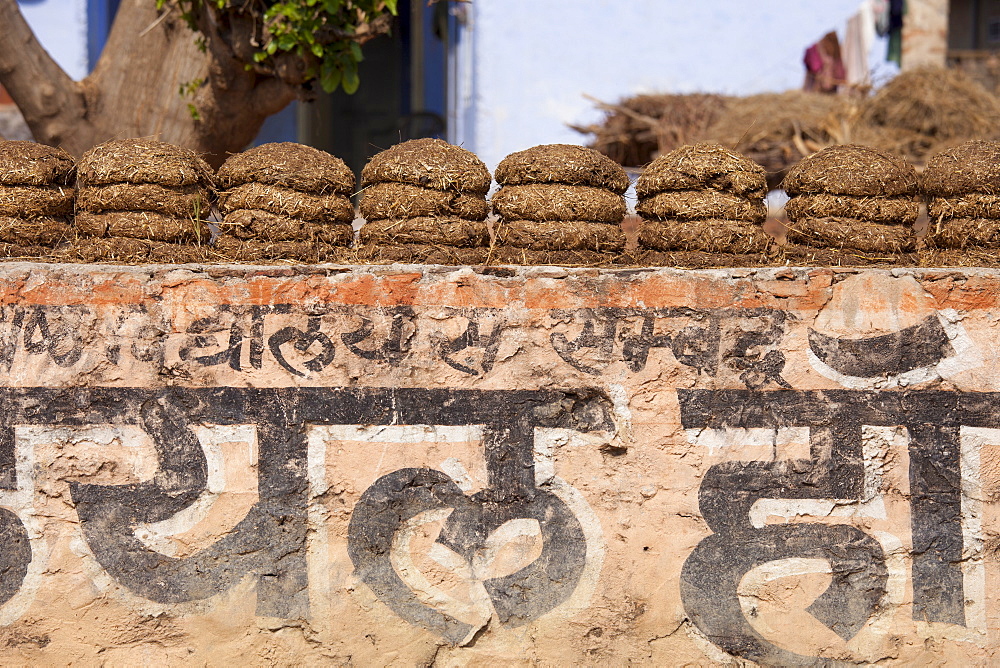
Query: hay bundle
402, 200
702, 198
423, 193
429, 163
285, 198
964, 185
36, 198
852, 197
456, 232
142, 189
547, 202
560, 198
289, 165
571, 235
922, 110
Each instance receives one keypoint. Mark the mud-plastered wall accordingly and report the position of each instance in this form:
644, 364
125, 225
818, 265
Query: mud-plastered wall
426, 465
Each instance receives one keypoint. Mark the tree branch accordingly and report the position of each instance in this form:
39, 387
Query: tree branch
51, 102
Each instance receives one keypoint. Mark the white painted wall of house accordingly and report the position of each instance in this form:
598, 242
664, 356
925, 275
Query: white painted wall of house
532, 60
61, 27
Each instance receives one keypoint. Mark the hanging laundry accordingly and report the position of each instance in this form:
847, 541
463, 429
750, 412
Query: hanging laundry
897, 9
858, 40
824, 65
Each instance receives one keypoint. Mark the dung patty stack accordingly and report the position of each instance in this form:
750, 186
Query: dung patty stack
702, 199
963, 189
559, 203
142, 200
425, 201
851, 201
36, 198
285, 201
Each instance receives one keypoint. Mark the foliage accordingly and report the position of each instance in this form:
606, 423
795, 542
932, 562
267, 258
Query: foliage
325, 34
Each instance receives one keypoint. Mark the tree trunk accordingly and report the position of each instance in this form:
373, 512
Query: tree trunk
135, 89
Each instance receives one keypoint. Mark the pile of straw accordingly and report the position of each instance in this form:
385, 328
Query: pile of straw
559, 198
853, 198
285, 201
702, 198
776, 130
640, 128
923, 111
146, 190
422, 200
36, 198
963, 187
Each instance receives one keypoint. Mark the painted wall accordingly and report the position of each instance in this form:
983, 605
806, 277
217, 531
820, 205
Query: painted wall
534, 59
61, 27
413, 466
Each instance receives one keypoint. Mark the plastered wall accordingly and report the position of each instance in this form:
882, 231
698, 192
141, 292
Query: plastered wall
433, 466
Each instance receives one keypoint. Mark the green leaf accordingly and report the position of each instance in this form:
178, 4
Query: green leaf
330, 79
391, 6
272, 46
351, 80
356, 52
259, 56
317, 50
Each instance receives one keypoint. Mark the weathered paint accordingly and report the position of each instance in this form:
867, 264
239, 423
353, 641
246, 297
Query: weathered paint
410, 465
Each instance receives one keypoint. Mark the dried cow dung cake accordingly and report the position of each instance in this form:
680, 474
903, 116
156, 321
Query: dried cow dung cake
424, 194
429, 163
849, 169
547, 202
703, 167
570, 235
285, 201
289, 165
142, 161
28, 163
702, 198
141, 200
559, 198
36, 198
456, 232
852, 198
403, 200
963, 186
566, 164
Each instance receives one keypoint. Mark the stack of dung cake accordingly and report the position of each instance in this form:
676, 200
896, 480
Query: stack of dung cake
425, 201
285, 201
851, 204
36, 198
559, 204
142, 200
702, 204
963, 187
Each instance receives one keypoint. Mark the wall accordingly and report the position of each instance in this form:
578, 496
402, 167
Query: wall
61, 27
534, 59
425, 465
